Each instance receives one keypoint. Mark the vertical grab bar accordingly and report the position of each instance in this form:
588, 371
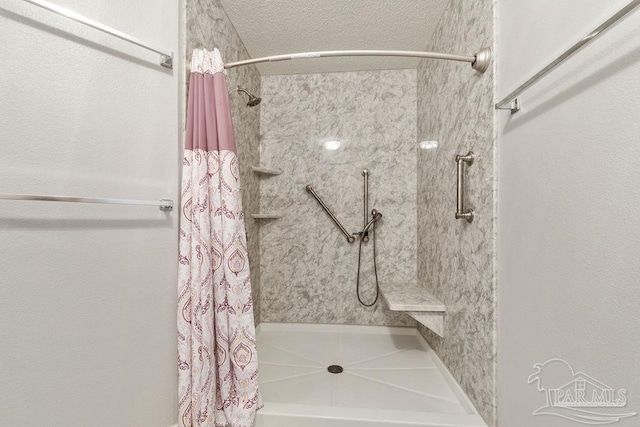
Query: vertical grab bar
365, 190
461, 213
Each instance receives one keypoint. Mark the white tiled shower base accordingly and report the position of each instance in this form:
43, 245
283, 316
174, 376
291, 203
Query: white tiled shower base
391, 378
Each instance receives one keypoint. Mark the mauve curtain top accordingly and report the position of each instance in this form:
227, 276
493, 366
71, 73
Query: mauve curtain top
210, 127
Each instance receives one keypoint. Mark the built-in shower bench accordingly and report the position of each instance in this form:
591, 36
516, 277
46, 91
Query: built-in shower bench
417, 303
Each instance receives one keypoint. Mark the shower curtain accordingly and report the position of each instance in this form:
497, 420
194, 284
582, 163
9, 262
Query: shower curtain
218, 367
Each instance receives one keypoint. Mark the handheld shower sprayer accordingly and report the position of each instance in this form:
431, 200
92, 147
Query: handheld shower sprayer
376, 217
363, 236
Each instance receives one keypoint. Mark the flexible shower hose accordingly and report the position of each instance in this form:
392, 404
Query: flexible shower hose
375, 268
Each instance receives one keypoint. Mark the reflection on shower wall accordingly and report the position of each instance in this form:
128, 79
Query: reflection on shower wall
209, 27
308, 270
456, 259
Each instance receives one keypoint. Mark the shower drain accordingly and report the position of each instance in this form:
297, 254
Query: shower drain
335, 369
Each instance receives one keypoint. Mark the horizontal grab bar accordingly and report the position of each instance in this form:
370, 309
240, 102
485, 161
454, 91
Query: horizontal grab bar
511, 101
348, 236
164, 204
166, 57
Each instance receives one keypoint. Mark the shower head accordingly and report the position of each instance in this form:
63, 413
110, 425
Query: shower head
253, 100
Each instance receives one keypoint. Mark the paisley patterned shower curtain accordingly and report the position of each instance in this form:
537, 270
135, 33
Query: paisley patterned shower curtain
218, 367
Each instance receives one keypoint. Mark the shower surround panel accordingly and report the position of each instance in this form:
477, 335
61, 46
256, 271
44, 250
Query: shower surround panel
209, 27
308, 270
456, 262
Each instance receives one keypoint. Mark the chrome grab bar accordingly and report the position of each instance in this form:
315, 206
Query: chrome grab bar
461, 213
164, 204
511, 102
166, 57
311, 191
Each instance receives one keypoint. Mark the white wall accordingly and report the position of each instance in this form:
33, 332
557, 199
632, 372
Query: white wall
569, 230
87, 293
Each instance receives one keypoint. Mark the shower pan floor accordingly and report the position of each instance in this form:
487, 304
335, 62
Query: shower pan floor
390, 377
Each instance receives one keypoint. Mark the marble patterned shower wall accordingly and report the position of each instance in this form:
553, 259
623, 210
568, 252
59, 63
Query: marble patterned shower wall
456, 259
308, 269
209, 27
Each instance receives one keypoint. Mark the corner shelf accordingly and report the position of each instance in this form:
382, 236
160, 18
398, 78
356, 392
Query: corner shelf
266, 216
265, 171
417, 303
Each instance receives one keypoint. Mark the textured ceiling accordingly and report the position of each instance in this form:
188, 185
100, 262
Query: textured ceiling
273, 27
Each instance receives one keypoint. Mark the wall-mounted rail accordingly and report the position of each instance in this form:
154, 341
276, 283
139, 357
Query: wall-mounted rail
365, 197
164, 204
461, 213
511, 102
344, 231
166, 57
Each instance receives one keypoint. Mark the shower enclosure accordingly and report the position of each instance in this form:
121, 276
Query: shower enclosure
323, 130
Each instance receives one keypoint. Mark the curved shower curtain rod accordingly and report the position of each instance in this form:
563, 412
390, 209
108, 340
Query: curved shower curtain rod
479, 62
